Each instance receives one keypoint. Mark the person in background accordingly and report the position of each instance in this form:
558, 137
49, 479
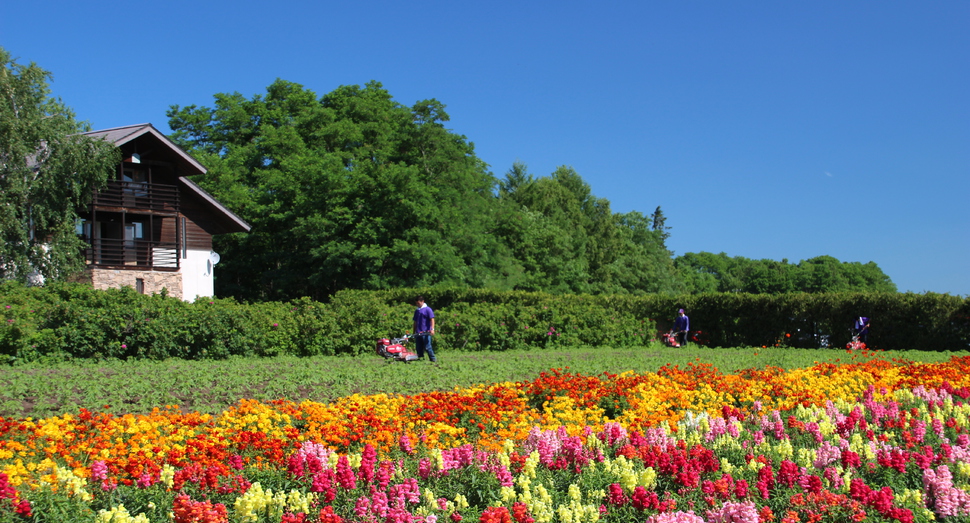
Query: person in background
681, 327
423, 329
861, 329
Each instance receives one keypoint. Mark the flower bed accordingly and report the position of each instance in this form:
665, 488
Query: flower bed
875, 441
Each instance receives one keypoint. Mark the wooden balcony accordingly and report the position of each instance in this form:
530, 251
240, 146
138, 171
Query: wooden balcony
144, 198
132, 254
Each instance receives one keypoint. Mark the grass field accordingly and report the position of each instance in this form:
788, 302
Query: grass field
210, 386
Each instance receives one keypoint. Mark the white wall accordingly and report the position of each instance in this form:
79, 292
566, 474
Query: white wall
196, 272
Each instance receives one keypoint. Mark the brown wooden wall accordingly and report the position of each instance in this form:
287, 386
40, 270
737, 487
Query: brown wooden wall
198, 239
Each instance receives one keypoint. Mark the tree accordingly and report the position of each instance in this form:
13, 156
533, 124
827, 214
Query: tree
568, 240
707, 272
348, 190
659, 222
643, 264
516, 177
47, 173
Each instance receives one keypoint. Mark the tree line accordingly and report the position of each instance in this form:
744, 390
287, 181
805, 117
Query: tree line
353, 190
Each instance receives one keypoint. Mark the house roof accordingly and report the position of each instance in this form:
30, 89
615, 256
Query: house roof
236, 221
122, 135
189, 166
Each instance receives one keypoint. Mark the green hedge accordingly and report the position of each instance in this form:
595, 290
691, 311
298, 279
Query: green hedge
65, 321
900, 321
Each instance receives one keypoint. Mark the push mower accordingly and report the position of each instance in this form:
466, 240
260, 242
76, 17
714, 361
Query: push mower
395, 349
670, 339
855, 344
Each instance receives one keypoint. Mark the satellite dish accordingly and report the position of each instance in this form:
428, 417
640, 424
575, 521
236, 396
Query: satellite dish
214, 257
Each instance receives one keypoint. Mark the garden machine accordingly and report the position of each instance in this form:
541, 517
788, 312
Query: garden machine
855, 344
670, 339
395, 349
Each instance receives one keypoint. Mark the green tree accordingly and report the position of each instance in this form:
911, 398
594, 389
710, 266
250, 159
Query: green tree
643, 264
569, 240
706, 272
349, 190
546, 232
659, 224
47, 172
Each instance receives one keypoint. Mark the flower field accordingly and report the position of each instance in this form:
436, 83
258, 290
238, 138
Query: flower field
869, 440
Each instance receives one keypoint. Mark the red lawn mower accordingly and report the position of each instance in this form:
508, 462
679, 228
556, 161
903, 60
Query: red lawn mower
670, 339
395, 349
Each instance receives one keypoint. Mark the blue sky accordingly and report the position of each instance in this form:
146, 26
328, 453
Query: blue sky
763, 129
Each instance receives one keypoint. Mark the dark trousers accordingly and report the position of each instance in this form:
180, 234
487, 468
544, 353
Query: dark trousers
423, 343
682, 338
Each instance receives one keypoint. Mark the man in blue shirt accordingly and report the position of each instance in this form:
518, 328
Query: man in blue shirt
681, 326
861, 329
423, 329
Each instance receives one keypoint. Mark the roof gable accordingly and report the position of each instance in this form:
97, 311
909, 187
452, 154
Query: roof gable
188, 166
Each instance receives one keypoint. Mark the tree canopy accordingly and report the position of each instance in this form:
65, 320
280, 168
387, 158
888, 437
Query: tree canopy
354, 190
47, 173
708, 272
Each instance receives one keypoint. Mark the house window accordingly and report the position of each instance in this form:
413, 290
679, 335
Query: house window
135, 182
83, 228
140, 285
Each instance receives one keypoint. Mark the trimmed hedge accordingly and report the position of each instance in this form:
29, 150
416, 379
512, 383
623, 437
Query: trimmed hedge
65, 321
900, 321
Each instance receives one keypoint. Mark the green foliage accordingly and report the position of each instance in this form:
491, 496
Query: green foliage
353, 190
47, 172
707, 272
73, 321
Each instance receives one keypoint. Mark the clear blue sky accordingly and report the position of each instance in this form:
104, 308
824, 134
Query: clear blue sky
763, 129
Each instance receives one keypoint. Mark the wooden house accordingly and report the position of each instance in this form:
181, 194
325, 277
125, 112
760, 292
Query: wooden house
151, 227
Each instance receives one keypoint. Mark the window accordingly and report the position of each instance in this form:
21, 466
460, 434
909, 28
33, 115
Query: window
140, 285
83, 228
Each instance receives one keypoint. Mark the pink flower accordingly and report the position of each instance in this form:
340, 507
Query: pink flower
676, 517
99, 470
405, 444
731, 512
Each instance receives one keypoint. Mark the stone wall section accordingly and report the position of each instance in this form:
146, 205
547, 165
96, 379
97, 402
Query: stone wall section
154, 281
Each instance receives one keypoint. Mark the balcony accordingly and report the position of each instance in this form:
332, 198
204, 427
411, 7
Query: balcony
132, 254
153, 198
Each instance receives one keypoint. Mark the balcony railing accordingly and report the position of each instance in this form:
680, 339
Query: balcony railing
138, 195
132, 254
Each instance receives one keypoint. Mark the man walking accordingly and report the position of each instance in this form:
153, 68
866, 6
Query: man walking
423, 329
681, 327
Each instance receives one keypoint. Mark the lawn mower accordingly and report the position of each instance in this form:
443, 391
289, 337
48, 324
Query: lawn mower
855, 344
670, 339
394, 349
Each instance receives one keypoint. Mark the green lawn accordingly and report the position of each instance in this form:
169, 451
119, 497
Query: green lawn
210, 386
